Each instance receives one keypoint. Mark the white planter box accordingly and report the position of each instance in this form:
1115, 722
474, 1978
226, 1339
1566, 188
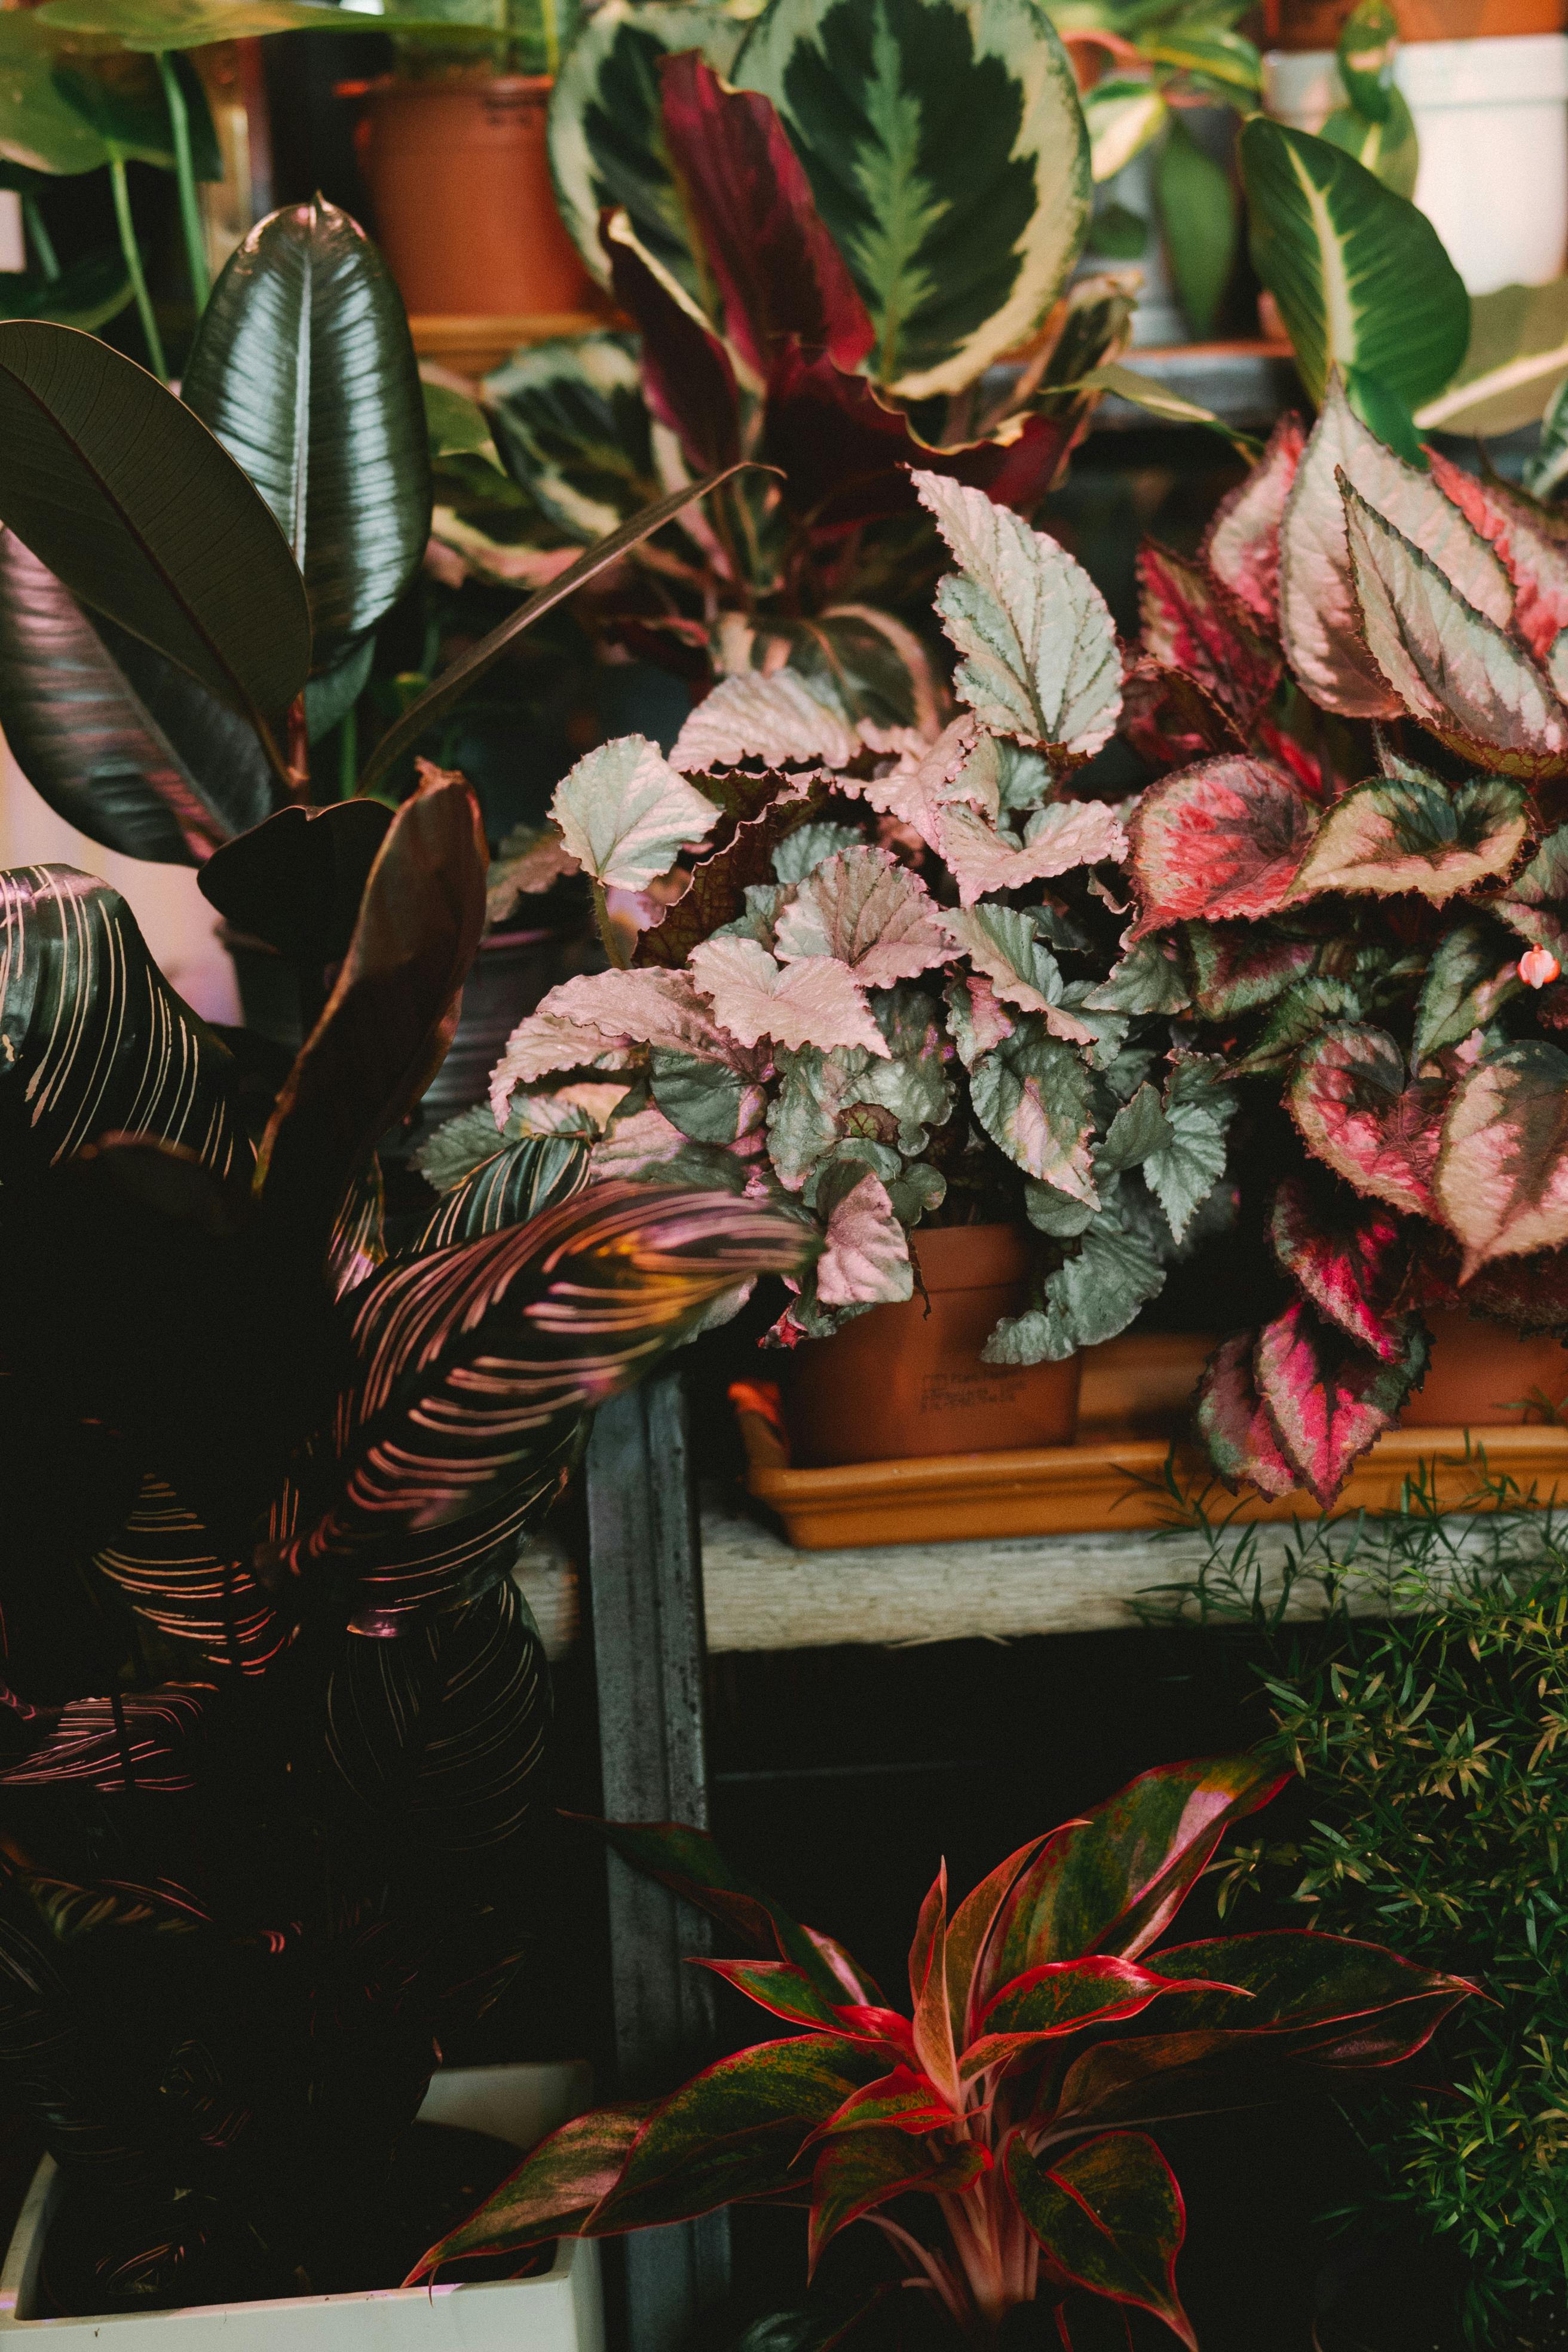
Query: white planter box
560, 2312
1491, 116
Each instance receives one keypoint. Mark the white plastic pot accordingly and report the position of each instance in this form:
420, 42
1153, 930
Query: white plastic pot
1492, 119
560, 2312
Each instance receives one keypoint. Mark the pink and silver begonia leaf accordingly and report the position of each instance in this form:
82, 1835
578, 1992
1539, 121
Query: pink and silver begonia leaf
1222, 839
1242, 544
1360, 1111
1328, 1400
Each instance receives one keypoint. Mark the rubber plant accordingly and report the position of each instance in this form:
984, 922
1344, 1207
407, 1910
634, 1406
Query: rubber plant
890, 985
731, 187
997, 2132
1355, 870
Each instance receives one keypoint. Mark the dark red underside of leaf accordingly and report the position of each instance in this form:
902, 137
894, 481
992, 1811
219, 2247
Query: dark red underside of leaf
1193, 625
687, 380
717, 891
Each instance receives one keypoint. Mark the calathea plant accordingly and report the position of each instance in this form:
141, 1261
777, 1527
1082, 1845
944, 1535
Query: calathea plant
1356, 877
273, 1741
890, 985
733, 188
996, 2133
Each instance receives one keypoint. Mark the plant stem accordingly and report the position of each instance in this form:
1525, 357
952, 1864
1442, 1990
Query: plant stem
607, 935
298, 751
43, 242
551, 24
185, 177
133, 252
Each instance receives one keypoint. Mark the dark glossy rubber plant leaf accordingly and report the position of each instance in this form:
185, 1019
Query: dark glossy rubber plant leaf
122, 744
1111, 2217
125, 495
478, 1364
1364, 1117
304, 369
298, 880
552, 2193
88, 295
1225, 839
440, 1734
1502, 1173
392, 1009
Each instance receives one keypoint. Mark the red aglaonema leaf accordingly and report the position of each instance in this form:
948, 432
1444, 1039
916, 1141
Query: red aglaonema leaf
1528, 537
1112, 1882
1058, 1998
1327, 1400
969, 1931
1233, 1426
689, 382
904, 2099
861, 2170
934, 2044
1193, 625
1242, 547
780, 276
1363, 1115
551, 2194
778, 1986
1110, 2217
1224, 839
1349, 1264
1341, 2001
735, 2130
1502, 1177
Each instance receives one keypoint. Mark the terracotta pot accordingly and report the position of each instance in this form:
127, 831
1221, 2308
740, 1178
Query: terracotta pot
1315, 24
1480, 1373
898, 1384
458, 174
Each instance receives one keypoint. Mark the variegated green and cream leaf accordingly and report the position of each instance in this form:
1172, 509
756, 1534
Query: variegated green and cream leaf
947, 152
569, 416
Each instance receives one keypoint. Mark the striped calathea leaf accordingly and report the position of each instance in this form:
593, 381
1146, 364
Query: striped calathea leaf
1049, 2022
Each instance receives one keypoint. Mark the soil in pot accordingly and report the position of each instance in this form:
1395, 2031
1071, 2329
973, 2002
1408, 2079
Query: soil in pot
458, 174
1482, 1373
903, 1382
438, 2173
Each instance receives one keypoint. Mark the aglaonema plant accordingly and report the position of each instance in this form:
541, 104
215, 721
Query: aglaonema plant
999, 2132
1355, 874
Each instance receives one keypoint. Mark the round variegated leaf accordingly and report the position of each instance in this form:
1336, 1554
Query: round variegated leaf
626, 814
947, 152
607, 132
1222, 839
1502, 1176
1409, 831
814, 1002
1362, 1113
1327, 1399
570, 419
869, 912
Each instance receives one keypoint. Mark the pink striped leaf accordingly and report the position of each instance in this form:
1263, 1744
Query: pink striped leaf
1502, 1175
1327, 1400
1360, 1111
1351, 1267
1222, 839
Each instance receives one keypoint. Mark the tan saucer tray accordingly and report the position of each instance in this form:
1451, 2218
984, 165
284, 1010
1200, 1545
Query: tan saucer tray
1134, 1402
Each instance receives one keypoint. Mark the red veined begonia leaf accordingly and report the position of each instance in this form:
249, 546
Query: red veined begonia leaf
1360, 1113
736, 2130
1236, 966
1113, 1881
1234, 1424
1451, 667
1502, 1173
1242, 545
779, 273
1529, 1293
1327, 1399
863, 2169
904, 2099
688, 381
1170, 720
1224, 839
1530, 539
552, 2193
1060, 1998
1408, 831
1110, 2217
1193, 625
1307, 770
969, 1930
1349, 1263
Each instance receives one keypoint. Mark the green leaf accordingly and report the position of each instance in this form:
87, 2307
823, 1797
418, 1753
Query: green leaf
455, 425
1118, 234
154, 25
1031, 1094
706, 1100
1389, 150
87, 295
570, 420
1544, 474
128, 499
1515, 361
1220, 60
606, 131
948, 156
1109, 2215
1533, 903
1093, 1296
1123, 116
121, 744
303, 368
1503, 1172
123, 99
855, 660
1360, 275
1407, 831
1367, 47
39, 128
1466, 983
1201, 216
1183, 1171
1144, 392
330, 698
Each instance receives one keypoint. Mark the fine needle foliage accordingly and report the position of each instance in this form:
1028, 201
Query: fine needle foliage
1432, 1737
996, 2133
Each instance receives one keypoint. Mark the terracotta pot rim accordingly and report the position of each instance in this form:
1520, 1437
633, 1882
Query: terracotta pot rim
454, 81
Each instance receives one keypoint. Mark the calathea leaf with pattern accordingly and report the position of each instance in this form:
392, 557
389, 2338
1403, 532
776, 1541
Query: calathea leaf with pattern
1048, 2022
1348, 895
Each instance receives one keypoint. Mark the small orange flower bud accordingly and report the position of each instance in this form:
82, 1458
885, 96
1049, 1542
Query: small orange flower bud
1538, 967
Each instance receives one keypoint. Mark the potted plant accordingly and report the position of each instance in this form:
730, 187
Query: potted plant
275, 1714
997, 2131
892, 987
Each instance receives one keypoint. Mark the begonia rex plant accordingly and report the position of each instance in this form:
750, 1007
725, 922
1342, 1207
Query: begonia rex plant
998, 2133
890, 986
1354, 875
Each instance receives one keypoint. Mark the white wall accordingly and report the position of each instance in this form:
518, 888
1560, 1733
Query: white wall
178, 925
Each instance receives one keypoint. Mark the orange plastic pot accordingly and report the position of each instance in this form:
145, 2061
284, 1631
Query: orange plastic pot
899, 1384
1315, 24
458, 174
1482, 1373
